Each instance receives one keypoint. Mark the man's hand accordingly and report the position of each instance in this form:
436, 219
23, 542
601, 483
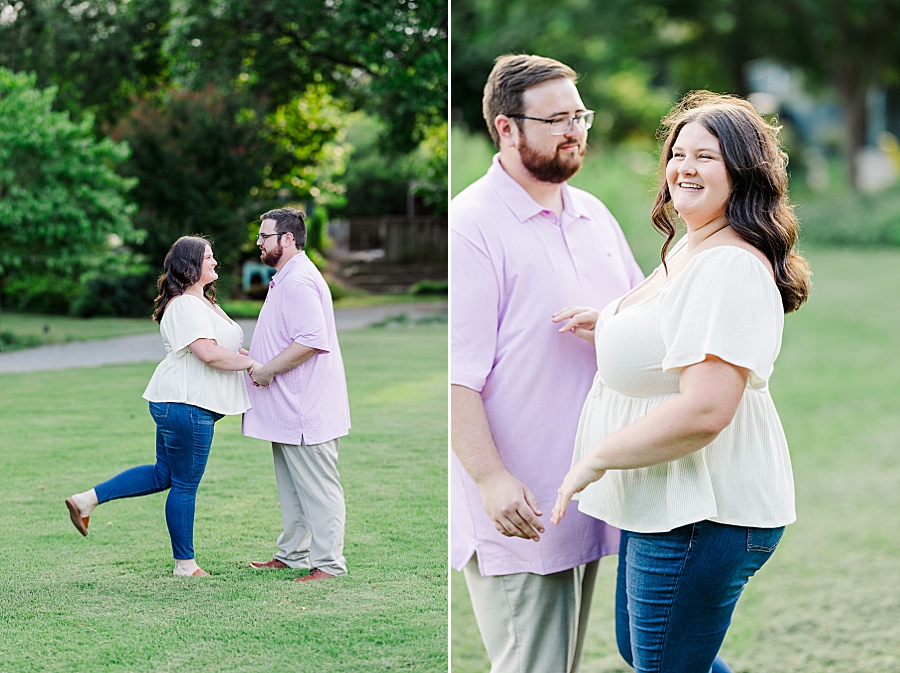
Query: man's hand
511, 506
260, 375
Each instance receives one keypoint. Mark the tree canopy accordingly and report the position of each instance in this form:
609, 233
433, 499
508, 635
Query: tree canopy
60, 197
636, 57
229, 106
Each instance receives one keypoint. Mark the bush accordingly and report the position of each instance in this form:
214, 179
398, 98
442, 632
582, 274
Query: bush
127, 294
853, 219
337, 291
46, 293
14, 342
429, 287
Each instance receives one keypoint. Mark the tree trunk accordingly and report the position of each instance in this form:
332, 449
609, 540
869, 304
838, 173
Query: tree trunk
852, 87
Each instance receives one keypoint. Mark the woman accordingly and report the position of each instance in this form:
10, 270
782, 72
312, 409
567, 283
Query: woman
200, 380
679, 443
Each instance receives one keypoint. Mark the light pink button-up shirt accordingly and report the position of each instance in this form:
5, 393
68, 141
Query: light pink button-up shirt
307, 403
513, 263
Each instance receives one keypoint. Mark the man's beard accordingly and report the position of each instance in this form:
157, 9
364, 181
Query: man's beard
273, 256
556, 169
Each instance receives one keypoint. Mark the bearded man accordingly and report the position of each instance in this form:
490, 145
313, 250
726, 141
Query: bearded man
299, 401
525, 244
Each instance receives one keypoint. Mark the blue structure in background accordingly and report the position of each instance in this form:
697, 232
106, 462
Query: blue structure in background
256, 273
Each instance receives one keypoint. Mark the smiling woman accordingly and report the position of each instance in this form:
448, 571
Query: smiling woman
696, 175
679, 443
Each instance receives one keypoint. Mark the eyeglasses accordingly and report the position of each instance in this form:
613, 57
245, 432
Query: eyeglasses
262, 237
563, 125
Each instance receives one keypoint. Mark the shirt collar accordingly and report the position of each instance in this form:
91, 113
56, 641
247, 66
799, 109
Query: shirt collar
520, 202
287, 268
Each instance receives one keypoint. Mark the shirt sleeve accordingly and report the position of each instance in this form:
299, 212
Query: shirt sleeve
306, 325
474, 313
727, 305
185, 321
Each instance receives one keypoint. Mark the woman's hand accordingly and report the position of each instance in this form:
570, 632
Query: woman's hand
581, 321
260, 375
576, 481
244, 351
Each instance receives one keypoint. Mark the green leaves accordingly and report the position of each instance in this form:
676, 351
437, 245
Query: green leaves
60, 198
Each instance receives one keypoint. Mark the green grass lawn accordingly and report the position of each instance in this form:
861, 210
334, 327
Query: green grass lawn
829, 599
51, 329
109, 602
43, 330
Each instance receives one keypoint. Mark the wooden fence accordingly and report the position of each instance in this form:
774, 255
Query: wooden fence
403, 239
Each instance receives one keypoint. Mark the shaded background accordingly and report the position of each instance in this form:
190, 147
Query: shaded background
127, 123
829, 71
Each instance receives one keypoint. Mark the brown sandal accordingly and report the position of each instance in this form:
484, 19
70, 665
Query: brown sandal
80, 522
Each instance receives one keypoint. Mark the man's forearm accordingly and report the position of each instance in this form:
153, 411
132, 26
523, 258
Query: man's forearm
508, 502
291, 357
470, 434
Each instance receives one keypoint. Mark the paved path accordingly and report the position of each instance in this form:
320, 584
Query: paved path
149, 348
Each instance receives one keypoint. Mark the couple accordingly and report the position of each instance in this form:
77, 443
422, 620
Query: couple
297, 400
664, 398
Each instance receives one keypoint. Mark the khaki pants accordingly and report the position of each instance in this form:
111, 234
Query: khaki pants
533, 623
312, 506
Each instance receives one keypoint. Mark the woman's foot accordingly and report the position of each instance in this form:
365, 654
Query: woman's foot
80, 507
188, 568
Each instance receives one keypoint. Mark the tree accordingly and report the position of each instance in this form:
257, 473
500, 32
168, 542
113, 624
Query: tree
197, 156
848, 44
60, 197
389, 57
99, 54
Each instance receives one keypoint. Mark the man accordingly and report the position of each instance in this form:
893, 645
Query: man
524, 245
299, 399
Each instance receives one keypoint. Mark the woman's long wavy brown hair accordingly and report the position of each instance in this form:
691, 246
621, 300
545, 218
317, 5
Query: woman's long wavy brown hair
758, 207
181, 269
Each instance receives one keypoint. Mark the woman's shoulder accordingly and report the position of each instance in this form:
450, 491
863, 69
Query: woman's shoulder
730, 261
185, 308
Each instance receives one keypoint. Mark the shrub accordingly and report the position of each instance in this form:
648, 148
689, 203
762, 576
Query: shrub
127, 294
429, 287
45, 293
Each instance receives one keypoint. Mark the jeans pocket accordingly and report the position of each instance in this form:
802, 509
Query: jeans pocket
159, 409
764, 539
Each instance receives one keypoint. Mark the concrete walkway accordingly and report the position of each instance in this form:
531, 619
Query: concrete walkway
149, 347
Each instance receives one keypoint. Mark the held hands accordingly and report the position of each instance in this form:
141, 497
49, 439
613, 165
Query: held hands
511, 506
581, 321
575, 481
259, 374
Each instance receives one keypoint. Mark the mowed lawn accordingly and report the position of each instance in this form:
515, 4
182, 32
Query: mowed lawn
829, 600
109, 602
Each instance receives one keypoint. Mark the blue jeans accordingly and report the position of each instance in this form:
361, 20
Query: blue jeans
676, 592
183, 436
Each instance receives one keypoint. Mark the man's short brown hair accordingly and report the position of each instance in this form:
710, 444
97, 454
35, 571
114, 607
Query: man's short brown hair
288, 220
512, 76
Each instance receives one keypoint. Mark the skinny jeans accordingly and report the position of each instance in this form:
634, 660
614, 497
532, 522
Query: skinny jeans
676, 592
184, 435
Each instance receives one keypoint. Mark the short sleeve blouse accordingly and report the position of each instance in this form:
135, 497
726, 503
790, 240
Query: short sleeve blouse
182, 377
723, 303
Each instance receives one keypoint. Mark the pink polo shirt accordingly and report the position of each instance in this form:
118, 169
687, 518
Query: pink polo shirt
309, 402
513, 263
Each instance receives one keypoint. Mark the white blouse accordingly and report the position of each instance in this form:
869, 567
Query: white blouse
182, 377
723, 303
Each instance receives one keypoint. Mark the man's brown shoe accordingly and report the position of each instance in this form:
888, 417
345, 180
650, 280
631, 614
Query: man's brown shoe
274, 564
315, 574
80, 522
